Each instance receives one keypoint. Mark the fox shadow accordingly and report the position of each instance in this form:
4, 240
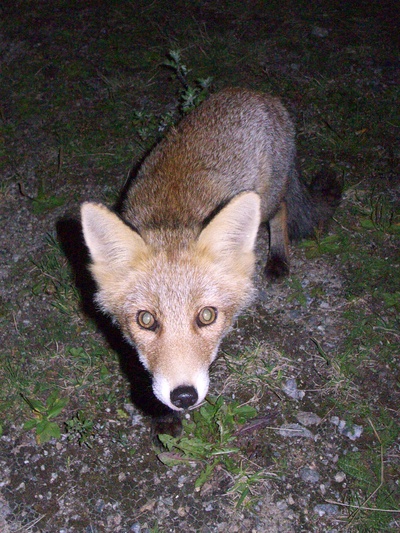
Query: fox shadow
164, 420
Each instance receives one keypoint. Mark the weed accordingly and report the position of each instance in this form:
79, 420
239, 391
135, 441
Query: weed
150, 128
80, 429
43, 414
192, 94
329, 244
381, 215
210, 438
297, 291
43, 201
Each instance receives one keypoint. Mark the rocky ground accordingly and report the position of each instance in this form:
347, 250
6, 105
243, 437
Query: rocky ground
315, 357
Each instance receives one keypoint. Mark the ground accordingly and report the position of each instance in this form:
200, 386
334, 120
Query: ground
301, 428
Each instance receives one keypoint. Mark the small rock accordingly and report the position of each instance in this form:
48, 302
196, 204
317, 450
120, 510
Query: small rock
99, 506
309, 475
308, 419
290, 388
319, 32
326, 508
351, 431
340, 477
282, 505
295, 431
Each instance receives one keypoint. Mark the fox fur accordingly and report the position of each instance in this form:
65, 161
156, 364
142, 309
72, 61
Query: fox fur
176, 267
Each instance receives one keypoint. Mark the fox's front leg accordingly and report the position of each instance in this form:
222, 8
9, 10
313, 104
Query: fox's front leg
278, 258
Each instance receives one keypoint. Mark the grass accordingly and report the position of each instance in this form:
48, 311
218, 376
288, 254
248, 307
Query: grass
211, 439
375, 511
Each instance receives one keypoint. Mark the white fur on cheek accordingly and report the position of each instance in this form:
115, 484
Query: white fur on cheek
162, 391
202, 383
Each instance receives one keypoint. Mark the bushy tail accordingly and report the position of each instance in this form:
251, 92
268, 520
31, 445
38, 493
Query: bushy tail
311, 207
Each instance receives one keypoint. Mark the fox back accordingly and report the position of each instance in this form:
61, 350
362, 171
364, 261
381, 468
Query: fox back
176, 267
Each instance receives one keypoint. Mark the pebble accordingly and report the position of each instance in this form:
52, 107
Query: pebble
319, 32
295, 431
290, 388
309, 475
308, 419
340, 477
326, 508
351, 431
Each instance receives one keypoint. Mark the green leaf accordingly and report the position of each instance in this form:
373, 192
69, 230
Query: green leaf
173, 459
58, 406
167, 441
367, 223
35, 405
243, 495
205, 475
244, 413
30, 424
46, 430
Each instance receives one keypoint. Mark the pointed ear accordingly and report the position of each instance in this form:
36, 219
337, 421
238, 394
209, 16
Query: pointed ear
109, 240
233, 231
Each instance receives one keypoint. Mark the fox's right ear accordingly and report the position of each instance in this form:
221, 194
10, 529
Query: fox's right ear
109, 240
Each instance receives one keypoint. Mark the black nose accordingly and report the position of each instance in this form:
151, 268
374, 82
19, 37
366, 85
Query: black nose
184, 396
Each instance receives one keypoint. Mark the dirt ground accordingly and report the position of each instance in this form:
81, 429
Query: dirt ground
316, 356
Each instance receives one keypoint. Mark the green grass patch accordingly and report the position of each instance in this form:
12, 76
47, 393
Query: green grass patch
374, 495
210, 439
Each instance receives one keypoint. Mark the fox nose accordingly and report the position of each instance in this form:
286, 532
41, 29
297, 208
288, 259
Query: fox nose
184, 396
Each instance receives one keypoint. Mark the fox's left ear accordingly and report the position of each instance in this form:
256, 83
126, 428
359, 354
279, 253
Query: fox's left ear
232, 232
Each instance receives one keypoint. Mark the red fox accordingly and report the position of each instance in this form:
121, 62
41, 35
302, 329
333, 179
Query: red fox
176, 267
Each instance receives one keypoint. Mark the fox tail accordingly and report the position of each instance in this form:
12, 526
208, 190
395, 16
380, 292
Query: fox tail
311, 207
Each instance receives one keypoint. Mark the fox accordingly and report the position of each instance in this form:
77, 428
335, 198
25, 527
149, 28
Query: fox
175, 266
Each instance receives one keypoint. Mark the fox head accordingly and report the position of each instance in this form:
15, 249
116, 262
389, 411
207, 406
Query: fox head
175, 296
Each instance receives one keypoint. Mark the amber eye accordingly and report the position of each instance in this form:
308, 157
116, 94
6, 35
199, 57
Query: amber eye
206, 316
146, 320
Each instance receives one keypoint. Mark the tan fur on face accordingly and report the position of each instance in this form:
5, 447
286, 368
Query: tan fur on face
174, 282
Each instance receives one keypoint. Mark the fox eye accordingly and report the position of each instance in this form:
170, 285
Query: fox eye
146, 320
206, 316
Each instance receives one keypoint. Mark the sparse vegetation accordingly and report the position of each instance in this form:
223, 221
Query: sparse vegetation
210, 439
85, 93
